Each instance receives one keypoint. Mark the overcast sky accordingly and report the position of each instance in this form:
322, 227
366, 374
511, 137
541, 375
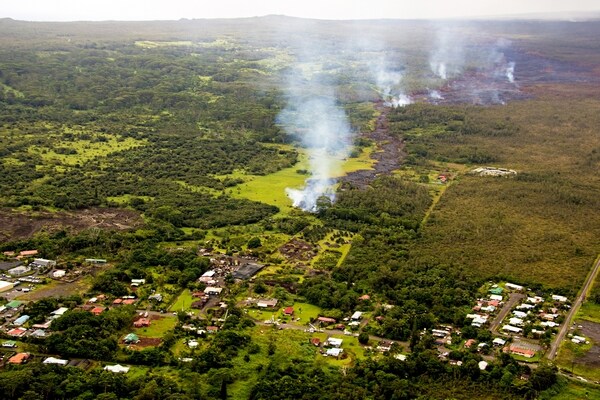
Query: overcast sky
77, 10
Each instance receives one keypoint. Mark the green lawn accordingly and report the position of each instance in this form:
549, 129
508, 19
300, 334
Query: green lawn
183, 302
306, 312
570, 389
158, 327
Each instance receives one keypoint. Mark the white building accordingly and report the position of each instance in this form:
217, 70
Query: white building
561, 299
495, 297
512, 329
117, 368
42, 262
499, 342
5, 286
520, 314
334, 342
57, 361
513, 286
60, 311
213, 290
335, 352
516, 321
357, 316
59, 273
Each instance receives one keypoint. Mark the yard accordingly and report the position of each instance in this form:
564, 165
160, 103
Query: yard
158, 327
183, 302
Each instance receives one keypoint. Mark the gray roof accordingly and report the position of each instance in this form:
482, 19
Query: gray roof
5, 266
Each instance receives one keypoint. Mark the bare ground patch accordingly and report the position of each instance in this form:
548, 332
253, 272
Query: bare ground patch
15, 225
591, 357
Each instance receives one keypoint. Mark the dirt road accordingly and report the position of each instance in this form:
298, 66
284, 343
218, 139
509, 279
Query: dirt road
568, 320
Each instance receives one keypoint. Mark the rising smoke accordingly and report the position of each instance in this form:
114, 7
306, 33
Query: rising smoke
447, 57
313, 115
388, 78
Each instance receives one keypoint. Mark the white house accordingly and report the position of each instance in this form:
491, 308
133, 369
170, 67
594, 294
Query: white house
335, 352
495, 297
512, 329
334, 342
57, 361
117, 368
498, 342
519, 314
561, 299
138, 282
516, 321
513, 286
42, 262
59, 273
60, 311
356, 316
211, 290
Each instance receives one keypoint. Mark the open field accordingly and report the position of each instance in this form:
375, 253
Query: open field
540, 226
158, 327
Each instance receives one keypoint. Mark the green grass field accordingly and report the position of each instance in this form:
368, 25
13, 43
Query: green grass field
158, 327
183, 302
589, 311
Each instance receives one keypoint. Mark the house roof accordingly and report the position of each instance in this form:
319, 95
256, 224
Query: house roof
97, 310
60, 311
52, 360
19, 358
129, 301
28, 253
117, 301
326, 319
116, 368
132, 337
288, 310
14, 304
364, 297
17, 332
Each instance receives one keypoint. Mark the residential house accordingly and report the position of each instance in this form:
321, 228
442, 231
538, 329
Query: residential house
558, 298
334, 342
512, 286
512, 329
21, 320
138, 282
60, 311
364, 297
289, 311
117, 369
357, 316
43, 263
267, 303
142, 322
17, 332
19, 358
56, 361
131, 338
213, 291
97, 310
9, 344
334, 352
469, 343
58, 273
326, 320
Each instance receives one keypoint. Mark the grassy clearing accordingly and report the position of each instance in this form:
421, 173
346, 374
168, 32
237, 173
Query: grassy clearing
590, 312
567, 360
85, 149
306, 312
158, 327
183, 302
573, 390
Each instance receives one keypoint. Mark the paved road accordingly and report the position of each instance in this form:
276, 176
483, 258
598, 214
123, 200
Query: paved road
513, 299
575, 307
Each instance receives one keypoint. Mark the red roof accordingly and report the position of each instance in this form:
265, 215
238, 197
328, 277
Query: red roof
288, 310
316, 341
198, 294
469, 343
97, 310
28, 252
142, 322
129, 301
16, 332
364, 297
212, 328
118, 301
494, 303
18, 358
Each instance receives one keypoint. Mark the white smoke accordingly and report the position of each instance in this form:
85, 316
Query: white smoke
435, 95
510, 72
314, 117
447, 56
388, 79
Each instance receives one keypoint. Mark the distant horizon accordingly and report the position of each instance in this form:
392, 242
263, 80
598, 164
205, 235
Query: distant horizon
157, 10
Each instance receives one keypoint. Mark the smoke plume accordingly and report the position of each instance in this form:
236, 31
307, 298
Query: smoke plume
447, 57
313, 116
388, 79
